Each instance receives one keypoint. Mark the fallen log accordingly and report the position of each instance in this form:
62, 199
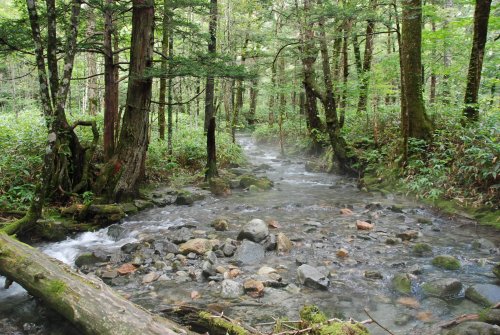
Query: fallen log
86, 302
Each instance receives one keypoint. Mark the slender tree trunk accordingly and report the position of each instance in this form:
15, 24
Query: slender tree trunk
254, 93
446, 58
122, 174
367, 62
210, 126
92, 89
419, 126
282, 106
164, 68
481, 16
170, 106
272, 97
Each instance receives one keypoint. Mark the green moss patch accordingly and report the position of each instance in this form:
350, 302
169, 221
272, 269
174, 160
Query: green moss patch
446, 262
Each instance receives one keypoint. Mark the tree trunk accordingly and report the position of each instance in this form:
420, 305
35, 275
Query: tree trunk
210, 126
419, 126
123, 172
164, 67
86, 302
282, 105
367, 62
309, 52
110, 83
92, 99
481, 16
254, 93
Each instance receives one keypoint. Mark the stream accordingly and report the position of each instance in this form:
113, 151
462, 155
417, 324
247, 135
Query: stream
305, 207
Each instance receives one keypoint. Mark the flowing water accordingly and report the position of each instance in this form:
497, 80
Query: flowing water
306, 207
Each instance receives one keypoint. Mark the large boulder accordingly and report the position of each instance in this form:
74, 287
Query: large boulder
249, 253
312, 277
256, 230
443, 288
484, 294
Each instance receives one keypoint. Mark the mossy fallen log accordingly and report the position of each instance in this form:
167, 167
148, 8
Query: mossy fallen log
85, 301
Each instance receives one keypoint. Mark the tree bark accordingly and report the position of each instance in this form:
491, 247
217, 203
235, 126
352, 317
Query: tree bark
110, 83
481, 16
86, 302
92, 89
419, 126
210, 125
367, 61
164, 68
123, 172
254, 93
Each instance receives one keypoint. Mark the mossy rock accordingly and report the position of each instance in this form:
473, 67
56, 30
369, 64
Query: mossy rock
247, 180
496, 270
448, 288
219, 186
446, 262
312, 316
143, 204
401, 282
184, 198
422, 250
89, 259
129, 208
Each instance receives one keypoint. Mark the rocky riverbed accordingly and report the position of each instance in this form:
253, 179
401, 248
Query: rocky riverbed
313, 238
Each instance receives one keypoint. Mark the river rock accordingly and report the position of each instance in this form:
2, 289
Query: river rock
484, 294
265, 270
231, 289
181, 235
143, 204
491, 316
363, 225
408, 235
256, 230
249, 253
198, 246
229, 248
116, 232
90, 259
373, 275
484, 245
254, 288
443, 288
220, 224
496, 270
184, 198
283, 243
401, 282
474, 328
208, 269
312, 277
129, 208
111, 274
219, 186
422, 250
342, 253
446, 262
150, 277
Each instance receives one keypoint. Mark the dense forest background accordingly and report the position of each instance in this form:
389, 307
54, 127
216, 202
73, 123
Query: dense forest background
99, 97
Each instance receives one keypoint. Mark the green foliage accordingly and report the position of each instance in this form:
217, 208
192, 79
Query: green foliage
188, 152
21, 142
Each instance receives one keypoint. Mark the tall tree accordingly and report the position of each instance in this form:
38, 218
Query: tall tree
211, 167
417, 123
367, 60
110, 80
123, 172
481, 16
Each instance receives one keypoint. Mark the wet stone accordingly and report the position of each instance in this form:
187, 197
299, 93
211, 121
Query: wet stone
255, 230
130, 247
373, 275
484, 294
443, 288
116, 232
249, 253
231, 289
181, 235
408, 235
312, 277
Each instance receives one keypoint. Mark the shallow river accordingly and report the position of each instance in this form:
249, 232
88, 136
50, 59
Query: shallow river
306, 207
